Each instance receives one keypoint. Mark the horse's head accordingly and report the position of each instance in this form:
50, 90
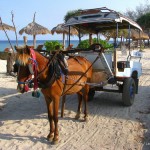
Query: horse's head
24, 62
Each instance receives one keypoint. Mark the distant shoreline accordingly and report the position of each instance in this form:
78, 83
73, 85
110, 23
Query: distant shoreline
5, 43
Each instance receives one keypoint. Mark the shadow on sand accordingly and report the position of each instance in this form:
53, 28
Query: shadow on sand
24, 106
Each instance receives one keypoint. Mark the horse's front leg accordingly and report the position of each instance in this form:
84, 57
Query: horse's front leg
79, 105
55, 118
50, 118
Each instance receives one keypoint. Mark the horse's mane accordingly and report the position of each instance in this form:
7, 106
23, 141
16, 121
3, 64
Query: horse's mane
23, 58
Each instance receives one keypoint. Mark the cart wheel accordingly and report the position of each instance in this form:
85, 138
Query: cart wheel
91, 94
129, 90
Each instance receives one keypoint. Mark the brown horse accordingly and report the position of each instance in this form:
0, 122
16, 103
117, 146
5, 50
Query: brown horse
53, 83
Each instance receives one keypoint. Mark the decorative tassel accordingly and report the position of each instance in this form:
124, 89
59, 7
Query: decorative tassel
26, 88
36, 94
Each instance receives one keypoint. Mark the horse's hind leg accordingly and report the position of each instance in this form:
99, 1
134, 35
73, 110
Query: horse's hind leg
55, 118
79, 105
85, 97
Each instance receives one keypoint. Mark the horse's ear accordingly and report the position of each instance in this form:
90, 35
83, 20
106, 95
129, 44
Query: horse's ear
22, 49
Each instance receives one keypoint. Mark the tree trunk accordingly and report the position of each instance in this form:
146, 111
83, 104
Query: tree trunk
90, 39
64, 41
10, 62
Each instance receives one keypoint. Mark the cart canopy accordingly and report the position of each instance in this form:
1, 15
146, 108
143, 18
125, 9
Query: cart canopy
100, 19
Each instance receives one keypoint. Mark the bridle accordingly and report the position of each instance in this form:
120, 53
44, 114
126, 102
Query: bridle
33, 82
33, 71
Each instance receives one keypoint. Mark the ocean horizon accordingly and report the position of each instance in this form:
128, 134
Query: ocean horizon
5, 44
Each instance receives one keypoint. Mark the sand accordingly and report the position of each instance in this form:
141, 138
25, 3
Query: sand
111, 126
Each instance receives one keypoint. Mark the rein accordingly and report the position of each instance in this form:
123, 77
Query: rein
33, 71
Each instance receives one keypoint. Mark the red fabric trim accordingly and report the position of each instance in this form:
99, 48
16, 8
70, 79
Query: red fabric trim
34, 64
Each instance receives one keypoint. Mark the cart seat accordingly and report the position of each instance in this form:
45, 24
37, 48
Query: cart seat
136, 54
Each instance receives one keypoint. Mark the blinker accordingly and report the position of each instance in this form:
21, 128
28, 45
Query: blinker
30, 66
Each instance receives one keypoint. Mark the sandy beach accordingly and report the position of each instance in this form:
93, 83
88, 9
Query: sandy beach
24, 124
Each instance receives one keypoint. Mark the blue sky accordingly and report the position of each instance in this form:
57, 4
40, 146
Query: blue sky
49, 13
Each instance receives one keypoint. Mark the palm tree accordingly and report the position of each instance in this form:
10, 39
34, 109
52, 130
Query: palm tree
71, 14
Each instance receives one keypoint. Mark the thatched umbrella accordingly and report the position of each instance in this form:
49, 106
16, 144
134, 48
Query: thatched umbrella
6, 27
143, 36
61, 29
33, 29
135, 35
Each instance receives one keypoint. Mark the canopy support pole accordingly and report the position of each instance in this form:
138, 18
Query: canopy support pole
115, 51
129, 31
140, 41
69, 36
79, 34
129, 39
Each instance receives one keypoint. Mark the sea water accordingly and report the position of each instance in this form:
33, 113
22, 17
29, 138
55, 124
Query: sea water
4, 43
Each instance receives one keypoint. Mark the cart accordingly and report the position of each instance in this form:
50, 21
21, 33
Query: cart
107, 69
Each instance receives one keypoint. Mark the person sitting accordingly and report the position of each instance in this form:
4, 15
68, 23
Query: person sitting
8, 50
39, 47
69, 47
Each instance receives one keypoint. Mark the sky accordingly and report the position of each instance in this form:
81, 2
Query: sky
50, 13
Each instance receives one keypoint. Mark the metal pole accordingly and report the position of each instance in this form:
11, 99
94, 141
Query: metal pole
140, 40
97, 37
79, 35
129, 40
69, 36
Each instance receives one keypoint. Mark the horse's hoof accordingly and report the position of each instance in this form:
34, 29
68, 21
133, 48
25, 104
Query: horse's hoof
77, 117
54, 142
50, 138
86, 119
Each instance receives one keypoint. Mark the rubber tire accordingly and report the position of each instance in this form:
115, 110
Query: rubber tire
129, 90
91, 94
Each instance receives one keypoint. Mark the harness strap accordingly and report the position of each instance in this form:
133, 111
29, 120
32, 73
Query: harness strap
76, 73
64, 92
52, 78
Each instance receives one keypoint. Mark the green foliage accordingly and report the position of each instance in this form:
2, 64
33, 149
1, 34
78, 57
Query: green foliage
85, 44
52, 45
144, 21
